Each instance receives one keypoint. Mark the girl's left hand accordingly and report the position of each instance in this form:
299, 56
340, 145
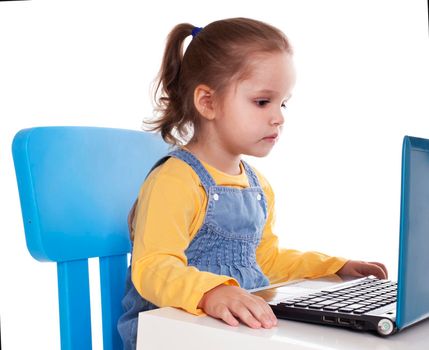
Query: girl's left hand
363, 268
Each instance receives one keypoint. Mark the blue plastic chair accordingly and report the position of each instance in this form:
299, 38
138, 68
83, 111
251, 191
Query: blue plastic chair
76, 187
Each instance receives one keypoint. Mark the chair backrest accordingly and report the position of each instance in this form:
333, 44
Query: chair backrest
76, 186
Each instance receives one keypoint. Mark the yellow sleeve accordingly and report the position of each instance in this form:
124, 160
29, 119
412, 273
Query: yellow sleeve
166, 209
280, 264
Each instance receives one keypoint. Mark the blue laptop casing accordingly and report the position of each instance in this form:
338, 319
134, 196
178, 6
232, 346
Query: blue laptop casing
413, 266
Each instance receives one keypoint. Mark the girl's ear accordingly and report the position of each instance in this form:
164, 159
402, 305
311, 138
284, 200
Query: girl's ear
204, 101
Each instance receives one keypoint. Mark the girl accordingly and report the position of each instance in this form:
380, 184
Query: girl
202, 228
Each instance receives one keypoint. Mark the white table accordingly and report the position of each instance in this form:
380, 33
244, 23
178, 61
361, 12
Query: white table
169, 328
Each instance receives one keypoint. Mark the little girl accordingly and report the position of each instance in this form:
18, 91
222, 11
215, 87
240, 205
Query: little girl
202, 228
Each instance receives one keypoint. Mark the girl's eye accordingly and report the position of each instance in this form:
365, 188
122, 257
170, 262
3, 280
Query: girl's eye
262, 103
284, 105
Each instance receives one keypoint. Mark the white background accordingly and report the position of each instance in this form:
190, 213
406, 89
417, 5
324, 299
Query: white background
363, 83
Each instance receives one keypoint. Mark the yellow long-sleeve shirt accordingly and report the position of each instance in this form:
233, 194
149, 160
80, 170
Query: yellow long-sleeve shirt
171, 209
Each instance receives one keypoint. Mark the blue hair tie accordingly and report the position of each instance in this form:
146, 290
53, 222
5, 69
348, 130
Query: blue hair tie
195, 31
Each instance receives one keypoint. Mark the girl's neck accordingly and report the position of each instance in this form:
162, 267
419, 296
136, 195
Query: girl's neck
216, 157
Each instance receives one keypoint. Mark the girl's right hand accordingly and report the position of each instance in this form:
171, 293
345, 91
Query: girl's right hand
230, 303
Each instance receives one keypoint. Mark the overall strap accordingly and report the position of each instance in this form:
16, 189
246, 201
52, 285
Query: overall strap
157, 164
192, 161
206, 179
251, 175
132, 211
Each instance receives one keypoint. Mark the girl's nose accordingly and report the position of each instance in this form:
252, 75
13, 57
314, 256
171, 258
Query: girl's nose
278, 118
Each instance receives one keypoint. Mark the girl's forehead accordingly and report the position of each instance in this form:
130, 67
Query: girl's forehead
270, 73
263, 64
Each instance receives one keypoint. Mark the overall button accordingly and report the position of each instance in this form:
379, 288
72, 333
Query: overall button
216, 197
258, 197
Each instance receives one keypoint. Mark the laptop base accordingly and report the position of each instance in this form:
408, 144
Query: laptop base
381, 325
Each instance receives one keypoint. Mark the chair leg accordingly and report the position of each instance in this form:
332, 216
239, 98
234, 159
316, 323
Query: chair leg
112, 279
74, 304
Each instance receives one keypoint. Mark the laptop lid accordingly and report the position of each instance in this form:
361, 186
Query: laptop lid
413, 264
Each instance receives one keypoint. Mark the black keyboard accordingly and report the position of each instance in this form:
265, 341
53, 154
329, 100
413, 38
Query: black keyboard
359, 298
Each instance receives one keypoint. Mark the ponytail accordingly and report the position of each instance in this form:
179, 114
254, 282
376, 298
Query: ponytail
167, 95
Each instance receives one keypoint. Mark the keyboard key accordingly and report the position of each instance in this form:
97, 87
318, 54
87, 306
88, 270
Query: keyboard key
339, 304
297, 300
334, 306
355, 306
345, 309
301, 304
328, 302
316, 300
353, 300
330, 308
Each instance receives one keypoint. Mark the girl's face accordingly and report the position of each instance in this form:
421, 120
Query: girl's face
250, 118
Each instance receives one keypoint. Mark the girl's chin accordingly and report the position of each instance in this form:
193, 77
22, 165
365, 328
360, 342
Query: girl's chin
260, 152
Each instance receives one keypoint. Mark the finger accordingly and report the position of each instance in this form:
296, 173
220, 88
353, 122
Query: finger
268, 311
271, 315
378, 272
244, 314
372, 269
224, 314
260, 311
382, 267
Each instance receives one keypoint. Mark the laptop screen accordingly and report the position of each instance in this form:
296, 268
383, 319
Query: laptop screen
413, 266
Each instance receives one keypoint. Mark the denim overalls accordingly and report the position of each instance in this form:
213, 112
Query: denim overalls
225, 244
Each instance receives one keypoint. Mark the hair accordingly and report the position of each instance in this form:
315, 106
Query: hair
218, 56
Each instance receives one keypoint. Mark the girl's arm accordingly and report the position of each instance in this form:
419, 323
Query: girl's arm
287, 264
164, 214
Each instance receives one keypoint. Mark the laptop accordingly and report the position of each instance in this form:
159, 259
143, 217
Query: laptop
370, 304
